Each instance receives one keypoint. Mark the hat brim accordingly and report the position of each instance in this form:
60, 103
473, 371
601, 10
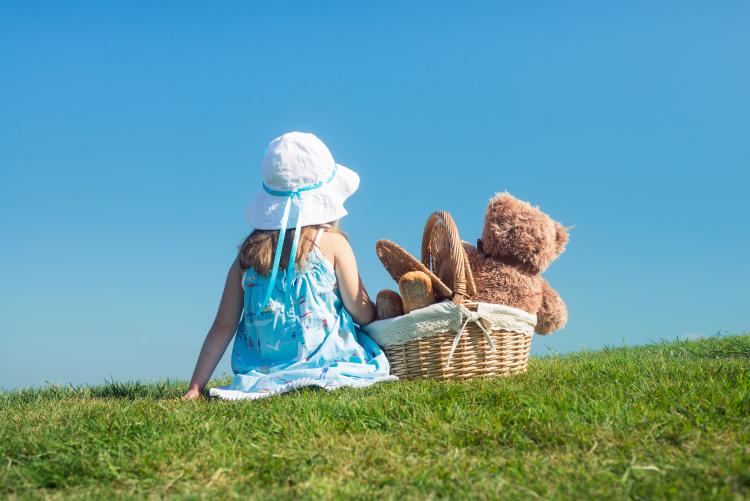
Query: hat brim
319, 206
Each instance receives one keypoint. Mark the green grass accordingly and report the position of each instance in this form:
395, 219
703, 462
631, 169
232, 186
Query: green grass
669, 420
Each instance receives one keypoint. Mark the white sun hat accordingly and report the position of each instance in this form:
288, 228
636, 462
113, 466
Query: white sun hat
299, 166
302, 185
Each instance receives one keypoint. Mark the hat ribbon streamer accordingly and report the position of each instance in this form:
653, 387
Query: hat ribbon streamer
292, 196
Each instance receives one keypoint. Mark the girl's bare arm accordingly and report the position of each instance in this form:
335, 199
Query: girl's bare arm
353, 292
220, 333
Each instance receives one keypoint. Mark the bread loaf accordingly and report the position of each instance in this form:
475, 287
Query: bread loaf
416, 290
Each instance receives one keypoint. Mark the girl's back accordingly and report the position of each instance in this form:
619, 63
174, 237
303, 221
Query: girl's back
295, 327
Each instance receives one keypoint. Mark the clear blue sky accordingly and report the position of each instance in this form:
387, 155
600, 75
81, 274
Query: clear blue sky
131, 135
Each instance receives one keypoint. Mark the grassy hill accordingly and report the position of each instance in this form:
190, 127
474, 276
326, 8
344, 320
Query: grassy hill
669, 420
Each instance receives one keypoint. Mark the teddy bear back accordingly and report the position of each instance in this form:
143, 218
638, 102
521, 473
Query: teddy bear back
498, 282
520, 235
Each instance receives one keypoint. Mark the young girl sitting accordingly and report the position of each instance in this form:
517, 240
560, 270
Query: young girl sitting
294, 318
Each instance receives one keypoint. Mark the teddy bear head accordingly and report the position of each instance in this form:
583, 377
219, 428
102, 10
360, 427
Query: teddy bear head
522, 235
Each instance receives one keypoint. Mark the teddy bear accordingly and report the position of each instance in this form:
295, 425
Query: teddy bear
518, 243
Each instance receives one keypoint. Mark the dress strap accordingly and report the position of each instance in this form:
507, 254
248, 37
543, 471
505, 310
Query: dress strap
318, 236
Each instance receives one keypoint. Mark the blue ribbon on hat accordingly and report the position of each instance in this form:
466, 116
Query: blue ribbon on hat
293, 195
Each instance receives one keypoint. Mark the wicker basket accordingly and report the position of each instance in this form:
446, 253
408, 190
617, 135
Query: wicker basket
427, 356
468, 353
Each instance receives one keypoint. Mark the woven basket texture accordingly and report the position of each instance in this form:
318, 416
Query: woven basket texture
398, 262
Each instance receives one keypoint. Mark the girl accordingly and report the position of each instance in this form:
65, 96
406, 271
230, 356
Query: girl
293, 297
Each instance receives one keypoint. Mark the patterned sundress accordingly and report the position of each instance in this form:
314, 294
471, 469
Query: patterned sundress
303, 337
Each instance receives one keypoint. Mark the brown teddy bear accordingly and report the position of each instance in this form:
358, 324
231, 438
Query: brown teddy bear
518, 243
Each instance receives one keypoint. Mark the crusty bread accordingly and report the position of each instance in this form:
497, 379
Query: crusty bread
389, 304
416, 290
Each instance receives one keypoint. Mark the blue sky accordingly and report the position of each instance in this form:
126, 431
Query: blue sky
131, 136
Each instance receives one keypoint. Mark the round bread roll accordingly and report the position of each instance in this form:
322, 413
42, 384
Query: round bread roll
389, 304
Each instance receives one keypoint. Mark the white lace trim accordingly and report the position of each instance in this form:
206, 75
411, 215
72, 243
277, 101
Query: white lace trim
448, 317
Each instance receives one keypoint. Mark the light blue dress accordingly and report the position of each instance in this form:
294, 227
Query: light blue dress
303, 337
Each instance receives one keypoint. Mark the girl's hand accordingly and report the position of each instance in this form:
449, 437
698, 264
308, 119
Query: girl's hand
192, 394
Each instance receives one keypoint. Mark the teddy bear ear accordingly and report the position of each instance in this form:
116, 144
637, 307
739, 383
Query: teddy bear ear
561, 238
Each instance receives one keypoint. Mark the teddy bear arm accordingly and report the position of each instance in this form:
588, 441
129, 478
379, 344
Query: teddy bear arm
553, 314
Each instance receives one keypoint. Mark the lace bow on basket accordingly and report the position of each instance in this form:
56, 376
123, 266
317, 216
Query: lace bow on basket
465, 316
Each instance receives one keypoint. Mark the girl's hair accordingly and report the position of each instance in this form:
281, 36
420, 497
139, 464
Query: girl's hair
257, 250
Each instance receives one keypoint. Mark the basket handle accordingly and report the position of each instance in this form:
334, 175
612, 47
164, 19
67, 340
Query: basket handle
463, 281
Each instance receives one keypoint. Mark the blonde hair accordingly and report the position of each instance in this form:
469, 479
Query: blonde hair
257, 251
